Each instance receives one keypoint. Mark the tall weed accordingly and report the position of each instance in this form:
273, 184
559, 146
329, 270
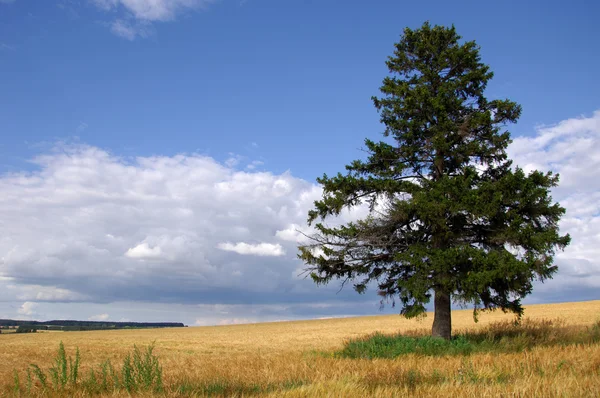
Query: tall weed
141, 371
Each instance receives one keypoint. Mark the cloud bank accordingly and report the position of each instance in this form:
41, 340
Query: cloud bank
170, 229
88, 231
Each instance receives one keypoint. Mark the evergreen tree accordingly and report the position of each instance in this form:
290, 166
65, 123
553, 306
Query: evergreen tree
449, 215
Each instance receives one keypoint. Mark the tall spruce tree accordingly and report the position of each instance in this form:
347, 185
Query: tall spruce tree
449, 216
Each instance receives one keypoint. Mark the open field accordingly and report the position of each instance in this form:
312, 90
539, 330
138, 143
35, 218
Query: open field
292, 359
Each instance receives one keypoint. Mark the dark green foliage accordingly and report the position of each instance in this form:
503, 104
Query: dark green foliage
449, 214
502, 337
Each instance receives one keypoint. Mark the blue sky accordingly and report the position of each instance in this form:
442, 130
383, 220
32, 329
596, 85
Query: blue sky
281, 74
256, 92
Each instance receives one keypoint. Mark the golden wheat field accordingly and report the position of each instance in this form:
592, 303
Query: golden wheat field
289, 359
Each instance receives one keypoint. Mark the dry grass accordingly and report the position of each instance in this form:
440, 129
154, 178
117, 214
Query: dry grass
284, 359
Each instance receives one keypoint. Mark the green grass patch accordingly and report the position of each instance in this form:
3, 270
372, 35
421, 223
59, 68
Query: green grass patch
391, 346
499, 337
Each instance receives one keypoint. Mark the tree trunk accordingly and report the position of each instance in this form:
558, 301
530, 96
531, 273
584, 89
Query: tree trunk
442, 320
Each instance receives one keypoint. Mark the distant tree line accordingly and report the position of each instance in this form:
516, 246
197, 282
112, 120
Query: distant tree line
26, 329
68, 325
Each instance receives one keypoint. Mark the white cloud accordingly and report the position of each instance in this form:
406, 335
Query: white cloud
572, 149
233, 160
130, 31
45, 293
567, 147
254, 164
153, 10
144, 252
294, 233
90, 226
99, 317
259, 249
27, 309
135, 16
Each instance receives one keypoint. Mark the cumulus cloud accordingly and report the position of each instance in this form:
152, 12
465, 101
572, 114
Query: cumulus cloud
144, 252
99, 317
259, 249
90, 226
27, 309
572, 149
294, 233
567, 147
135, 16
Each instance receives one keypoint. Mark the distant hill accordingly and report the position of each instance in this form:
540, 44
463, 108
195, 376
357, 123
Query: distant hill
69, 325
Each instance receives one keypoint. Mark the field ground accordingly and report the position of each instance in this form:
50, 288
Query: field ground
291, 359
